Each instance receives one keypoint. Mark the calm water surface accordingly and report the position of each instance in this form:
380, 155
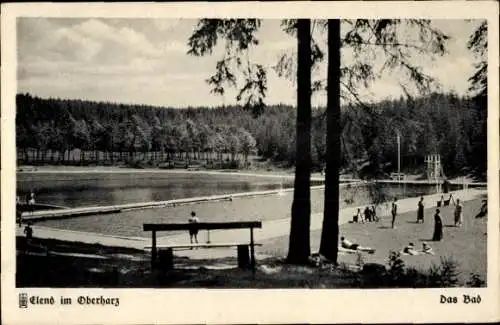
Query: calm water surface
92, 189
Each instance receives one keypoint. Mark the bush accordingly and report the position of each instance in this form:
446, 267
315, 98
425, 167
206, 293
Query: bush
374, 275
396, 273
475, 281
449, 272
443, 275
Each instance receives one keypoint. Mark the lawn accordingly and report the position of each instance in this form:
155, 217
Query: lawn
466, 245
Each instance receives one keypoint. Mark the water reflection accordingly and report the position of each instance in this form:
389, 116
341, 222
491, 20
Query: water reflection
74, 190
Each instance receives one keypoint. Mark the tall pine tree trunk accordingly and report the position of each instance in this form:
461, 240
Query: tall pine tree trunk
330, 233
299, 245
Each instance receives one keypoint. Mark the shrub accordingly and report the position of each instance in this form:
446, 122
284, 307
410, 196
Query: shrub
442, 275
475, 281
396, 273
449, 272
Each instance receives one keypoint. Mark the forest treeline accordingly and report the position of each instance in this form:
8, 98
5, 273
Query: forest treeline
49, 130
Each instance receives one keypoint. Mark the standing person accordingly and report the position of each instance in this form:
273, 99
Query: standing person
374, 214
19, 217
30, 200
484, 210
361, 216
438, 226
368, 214
394, 212
458, 214
420, 210
28, 231
440, 203
357, 217
193, 232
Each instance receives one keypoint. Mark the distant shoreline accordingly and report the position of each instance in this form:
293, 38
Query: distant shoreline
278, 173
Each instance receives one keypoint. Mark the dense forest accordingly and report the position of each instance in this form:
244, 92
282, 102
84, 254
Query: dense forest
52, 130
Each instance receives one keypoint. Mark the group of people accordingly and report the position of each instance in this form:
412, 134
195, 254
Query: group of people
438, 221
411, 250
369, 215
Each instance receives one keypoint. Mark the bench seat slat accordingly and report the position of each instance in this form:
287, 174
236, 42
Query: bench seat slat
214, 245
201, 225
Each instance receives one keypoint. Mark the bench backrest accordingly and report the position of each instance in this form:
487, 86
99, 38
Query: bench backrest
201, 225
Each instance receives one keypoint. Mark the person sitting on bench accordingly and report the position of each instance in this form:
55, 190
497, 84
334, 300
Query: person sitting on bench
347, 244
484, 210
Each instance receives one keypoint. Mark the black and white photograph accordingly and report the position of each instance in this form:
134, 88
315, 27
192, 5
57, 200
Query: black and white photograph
250, 153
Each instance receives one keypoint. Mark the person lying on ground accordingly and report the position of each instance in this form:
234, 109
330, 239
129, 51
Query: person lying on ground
347, 244
426, 249
484, 210
410, 250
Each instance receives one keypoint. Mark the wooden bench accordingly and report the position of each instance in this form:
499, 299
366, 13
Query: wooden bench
165, 252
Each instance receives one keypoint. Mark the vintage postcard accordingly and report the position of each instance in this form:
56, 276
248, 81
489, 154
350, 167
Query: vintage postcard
250, 162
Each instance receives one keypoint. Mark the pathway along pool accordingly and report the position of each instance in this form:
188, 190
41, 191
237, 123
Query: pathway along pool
269, 207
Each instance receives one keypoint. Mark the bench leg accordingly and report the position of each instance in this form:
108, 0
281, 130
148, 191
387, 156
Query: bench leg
243, 257
166, 259
153, 249
252, 251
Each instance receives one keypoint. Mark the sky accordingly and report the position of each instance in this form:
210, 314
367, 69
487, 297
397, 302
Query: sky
144, 61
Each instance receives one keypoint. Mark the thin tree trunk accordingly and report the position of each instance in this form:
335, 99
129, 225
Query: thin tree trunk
299, 245
330, 233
